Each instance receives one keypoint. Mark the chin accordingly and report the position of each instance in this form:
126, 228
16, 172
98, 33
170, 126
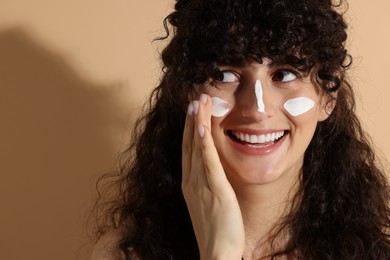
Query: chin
254, 176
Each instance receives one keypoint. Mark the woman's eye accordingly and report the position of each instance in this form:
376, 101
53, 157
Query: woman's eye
228, 77
284, 76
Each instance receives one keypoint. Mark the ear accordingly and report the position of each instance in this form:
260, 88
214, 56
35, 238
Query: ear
327, 105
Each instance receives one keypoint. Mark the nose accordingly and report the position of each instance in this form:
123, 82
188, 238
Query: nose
255, 100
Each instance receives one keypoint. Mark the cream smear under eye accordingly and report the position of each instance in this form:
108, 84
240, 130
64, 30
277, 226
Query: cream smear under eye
220, 107
298, 106
259, 96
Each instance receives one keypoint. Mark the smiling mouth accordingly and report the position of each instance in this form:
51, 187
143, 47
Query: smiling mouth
256, 141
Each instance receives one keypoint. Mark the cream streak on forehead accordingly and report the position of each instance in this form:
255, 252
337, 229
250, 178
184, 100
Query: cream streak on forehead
259, 96
298, 106
220, 107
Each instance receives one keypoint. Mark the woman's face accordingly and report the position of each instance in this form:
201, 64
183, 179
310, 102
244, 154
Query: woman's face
273, 114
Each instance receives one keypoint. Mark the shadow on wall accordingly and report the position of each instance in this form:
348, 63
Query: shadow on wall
55, 139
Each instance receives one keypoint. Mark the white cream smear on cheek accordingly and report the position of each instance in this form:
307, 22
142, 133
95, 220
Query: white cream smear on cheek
220, 107
298, 106
259, 96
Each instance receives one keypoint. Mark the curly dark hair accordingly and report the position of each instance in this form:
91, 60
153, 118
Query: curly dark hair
343, 207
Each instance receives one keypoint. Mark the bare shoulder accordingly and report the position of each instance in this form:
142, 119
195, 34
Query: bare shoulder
107, 248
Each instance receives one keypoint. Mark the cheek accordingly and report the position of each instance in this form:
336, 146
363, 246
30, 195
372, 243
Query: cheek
298, 106
223, 100
220, 107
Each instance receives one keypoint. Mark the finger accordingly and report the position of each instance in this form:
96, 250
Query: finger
214, 172
213, 168
203, 117
188, 136
198, 177
207, 102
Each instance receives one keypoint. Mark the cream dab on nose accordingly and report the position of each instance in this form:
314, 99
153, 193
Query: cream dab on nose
298, 106
259, 96
220, 107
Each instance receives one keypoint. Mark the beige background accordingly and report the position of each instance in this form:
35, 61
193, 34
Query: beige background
72, 77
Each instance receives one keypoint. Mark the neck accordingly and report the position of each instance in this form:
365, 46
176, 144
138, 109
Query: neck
263, 206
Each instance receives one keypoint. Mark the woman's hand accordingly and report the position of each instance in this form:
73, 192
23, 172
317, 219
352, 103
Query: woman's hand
211, 201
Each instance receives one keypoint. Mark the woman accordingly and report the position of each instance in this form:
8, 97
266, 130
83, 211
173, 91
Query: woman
250, 147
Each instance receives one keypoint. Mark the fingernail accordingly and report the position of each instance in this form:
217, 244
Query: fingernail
201, 130
190, 109
203, 99
196, 107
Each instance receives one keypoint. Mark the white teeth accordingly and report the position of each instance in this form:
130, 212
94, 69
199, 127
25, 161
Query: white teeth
261, 138
256, 139
253, 139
